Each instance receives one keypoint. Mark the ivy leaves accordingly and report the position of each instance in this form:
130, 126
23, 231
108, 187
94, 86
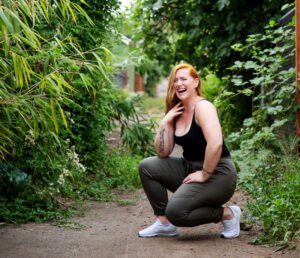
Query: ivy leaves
267, 171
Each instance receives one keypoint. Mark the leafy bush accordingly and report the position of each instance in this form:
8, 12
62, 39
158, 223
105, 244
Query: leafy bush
57, 107
266, 170
272, 88
211, 86
121, 170
136, 129
55, 182
12, 180
275, 198
36, 72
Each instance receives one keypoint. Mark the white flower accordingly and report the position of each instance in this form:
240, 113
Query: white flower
29, 137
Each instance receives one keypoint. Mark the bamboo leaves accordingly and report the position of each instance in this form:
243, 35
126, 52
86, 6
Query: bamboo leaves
37, 71
22, 70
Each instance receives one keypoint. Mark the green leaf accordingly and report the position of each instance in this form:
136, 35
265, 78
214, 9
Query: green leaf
247, 92
53, 115
257, 80
6, 21
63, 117
272, 22
250, 65
237, 81
238, 64
222, 4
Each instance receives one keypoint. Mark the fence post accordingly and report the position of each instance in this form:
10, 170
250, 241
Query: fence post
131, 77
297, 66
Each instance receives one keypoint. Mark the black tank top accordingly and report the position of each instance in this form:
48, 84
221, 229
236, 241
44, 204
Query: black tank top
193, 143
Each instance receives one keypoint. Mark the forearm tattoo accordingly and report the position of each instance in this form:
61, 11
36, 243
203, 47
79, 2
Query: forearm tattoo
162, 140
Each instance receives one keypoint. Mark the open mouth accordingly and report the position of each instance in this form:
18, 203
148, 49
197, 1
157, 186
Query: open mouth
182, 90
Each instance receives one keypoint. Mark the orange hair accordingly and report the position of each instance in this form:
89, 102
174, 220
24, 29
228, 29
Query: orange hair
171, 98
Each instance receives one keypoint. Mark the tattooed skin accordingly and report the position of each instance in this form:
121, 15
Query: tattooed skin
161, 140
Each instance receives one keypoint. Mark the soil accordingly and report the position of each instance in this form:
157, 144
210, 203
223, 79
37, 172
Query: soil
109, 230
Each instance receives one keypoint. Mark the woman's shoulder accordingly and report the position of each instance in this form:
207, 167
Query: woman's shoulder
204, 109
203, 103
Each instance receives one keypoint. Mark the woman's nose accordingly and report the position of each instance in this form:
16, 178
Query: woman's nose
179, 82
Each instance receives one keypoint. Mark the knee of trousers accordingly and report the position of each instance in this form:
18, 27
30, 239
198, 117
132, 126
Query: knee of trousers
176, 215
145, 166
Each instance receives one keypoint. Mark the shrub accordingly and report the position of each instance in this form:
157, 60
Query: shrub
275, 198
266, 170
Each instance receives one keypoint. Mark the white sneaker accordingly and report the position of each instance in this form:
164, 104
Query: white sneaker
232, 227
158, 229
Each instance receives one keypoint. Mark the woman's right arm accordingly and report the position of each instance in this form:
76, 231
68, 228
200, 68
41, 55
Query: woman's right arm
164, 139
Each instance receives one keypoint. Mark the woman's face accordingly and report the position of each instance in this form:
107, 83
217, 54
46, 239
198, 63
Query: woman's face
184, 84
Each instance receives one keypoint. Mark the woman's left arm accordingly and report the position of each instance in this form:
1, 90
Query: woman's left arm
207, 118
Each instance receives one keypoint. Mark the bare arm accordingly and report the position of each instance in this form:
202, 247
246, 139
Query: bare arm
207, 117
164, 139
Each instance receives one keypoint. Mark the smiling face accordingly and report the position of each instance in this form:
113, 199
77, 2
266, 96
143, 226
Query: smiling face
184, 84
183, 81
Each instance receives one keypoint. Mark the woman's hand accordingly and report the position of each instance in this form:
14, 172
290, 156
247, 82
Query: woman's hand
164, 139
174, 112
196, 177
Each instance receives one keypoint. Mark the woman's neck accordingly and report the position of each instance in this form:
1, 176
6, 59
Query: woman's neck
189, 104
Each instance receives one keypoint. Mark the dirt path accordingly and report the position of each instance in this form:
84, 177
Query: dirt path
109, 230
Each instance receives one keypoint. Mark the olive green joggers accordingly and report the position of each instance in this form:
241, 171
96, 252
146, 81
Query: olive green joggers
190, 204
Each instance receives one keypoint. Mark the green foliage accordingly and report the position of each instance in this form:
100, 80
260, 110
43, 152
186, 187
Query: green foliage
27, 195
58, 105
91, 119
121, 170
32, 207
37, 72
127, 51
201, 32
136, 130
152, 71
103, 14
275, 197
12, 180
64, 179
272, 87
266, 169
211, 87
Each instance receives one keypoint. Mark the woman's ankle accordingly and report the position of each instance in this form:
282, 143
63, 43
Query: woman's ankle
163, 220
227, 214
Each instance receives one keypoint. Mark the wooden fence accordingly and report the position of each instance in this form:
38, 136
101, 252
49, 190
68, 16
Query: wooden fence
297, 67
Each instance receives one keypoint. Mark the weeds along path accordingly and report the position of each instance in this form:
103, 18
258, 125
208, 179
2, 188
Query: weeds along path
109, 230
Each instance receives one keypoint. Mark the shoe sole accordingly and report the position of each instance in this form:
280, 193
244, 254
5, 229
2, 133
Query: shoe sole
159, 235
235, 236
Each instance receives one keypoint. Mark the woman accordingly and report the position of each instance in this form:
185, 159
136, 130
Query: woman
204, 178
